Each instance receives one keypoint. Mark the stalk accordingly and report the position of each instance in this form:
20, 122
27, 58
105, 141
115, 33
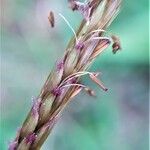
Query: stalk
64, 82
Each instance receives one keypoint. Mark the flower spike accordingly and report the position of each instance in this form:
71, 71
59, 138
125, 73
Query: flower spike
63, 82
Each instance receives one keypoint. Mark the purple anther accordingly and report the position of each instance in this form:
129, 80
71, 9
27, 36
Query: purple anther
30, 138
73, 80
35, 108
60, 65
56, 91
79, 46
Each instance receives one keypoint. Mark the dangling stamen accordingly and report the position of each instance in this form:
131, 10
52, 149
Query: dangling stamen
98, 82
116, 44
67, 22
51, 19
93, 76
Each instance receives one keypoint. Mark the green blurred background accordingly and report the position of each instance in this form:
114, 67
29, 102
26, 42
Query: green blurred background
114, 120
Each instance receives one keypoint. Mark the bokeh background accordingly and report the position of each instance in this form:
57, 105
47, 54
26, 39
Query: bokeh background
114, 120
